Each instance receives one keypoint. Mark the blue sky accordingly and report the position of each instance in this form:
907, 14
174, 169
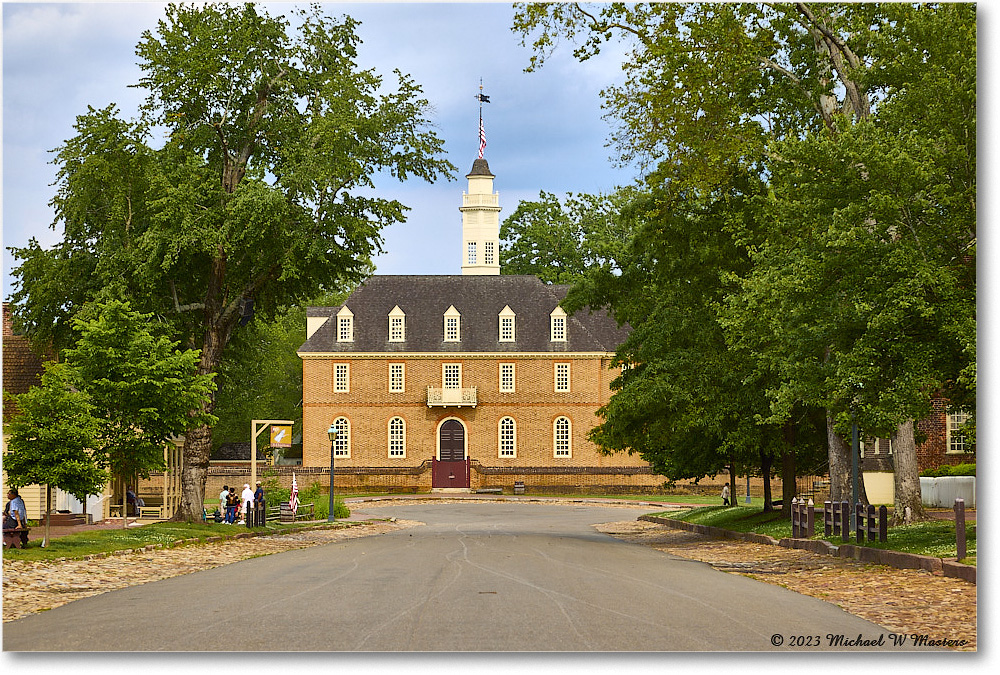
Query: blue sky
544, 129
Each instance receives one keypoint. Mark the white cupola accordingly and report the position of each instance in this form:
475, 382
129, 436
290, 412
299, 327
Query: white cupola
480, 222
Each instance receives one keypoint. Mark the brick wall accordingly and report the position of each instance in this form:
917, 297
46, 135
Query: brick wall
534, 406
933, 451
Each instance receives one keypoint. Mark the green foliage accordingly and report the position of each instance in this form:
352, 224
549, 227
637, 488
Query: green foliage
141, 387
261, 192
950, 470
52, 438
559, 242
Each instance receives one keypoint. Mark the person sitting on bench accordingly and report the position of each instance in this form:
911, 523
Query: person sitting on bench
15, 516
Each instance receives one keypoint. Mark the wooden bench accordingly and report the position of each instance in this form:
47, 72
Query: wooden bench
15, 538
304, 511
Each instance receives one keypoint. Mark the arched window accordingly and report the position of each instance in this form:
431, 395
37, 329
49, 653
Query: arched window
342, 446
561, 438
397, 437
507, 446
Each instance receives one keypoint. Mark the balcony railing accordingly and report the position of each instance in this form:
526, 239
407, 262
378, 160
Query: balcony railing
464, 396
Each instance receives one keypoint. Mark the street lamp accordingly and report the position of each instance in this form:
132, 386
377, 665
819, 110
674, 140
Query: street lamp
332, 433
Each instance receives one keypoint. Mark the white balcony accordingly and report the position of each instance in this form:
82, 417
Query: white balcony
453, 398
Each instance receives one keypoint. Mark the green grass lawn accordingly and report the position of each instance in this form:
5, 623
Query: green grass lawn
933, 538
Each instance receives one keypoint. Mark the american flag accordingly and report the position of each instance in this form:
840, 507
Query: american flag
293, 501
482, 138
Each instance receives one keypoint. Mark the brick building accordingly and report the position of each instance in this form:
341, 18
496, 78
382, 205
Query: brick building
462, 381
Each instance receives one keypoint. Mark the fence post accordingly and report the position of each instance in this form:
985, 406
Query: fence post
845, 521
837, 520
827, 518
795, 518
859, 522
871, 523
883, 523
810, 519
960, 528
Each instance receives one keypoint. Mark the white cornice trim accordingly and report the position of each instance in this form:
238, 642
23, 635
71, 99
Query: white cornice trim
455, 355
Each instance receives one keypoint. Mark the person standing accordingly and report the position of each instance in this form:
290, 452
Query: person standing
15, 515
232, 504
222, 500
258, 503
725, 494
246, 497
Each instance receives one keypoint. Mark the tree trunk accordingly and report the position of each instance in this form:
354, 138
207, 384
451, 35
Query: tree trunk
198, 441
788, 487
906, 477
732, 482
839, 456
765, 472
48, 513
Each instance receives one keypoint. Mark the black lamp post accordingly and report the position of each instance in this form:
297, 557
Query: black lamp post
332, 433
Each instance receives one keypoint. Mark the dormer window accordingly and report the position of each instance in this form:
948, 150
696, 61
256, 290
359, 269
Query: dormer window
507, 324
397, 325
345, 325
452, 325
557, 325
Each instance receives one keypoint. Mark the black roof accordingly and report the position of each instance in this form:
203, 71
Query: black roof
479, 299
480, 167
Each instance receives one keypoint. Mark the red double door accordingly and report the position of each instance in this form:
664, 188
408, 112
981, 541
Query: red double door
451, 468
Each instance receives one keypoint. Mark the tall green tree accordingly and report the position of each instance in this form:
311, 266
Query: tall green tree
827, 104
257, 194
142, 388
52, 438
559, 241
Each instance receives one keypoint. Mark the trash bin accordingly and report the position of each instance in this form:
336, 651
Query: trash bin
519, 487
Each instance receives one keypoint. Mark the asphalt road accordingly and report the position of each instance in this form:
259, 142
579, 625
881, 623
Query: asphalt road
475, 577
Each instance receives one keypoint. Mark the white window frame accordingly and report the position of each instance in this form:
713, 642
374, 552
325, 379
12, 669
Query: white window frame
345, 325
397, 325
506, 388
557, 325
342, 446
507, 315
342, 385
470, 250
561, 371
397, 438
489, 253
457, 368
452, 315
954, 419
562, 447
510, 441
394, 387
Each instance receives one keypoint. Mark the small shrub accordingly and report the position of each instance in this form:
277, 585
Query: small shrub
949, 470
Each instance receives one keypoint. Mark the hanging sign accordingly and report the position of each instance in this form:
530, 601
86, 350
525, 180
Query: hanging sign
281, 436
